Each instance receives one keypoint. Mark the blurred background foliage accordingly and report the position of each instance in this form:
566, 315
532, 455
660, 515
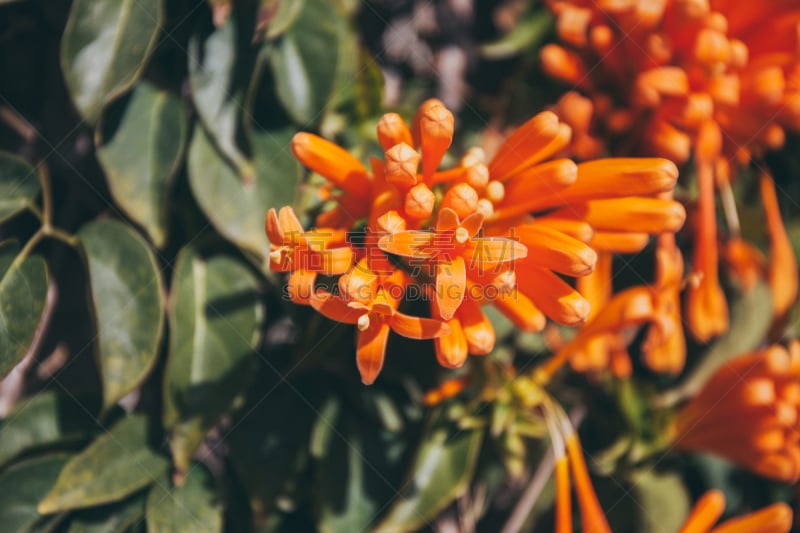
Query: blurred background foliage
155, 377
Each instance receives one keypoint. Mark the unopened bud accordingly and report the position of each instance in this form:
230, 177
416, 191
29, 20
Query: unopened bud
419, 202
462, 199
402, 162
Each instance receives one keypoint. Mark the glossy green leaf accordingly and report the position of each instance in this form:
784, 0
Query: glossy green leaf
218, 92
22, 486
126, 292
116, 518
19, 185
23, 290
441, 472
277, 16
114, 466
304, 62
193, 507
237, 209
139, 147
42, 420
526, 35
663, 501
105, 47
214, 319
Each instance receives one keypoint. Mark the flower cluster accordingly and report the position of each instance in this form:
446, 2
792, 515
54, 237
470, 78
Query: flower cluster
716, 79
487, 231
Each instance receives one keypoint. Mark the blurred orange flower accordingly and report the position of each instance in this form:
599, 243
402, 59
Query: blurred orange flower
775, 518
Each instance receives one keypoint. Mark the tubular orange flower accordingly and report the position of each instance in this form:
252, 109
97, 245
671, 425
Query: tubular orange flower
747, 412
666, 77
775, 518
485, 246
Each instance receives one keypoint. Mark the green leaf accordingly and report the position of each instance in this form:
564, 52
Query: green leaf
23, 290
42, 420
22, 486
277, 16
194, 507
237, 209
19, 186
441, 473
114, 466
105, 47
304, 62
526, 35
214, 315
218, 92
663, 502
126, 293
117, 518
139, 148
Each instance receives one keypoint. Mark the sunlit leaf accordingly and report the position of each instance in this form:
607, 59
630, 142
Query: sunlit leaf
126, 292
112, 467
42, 420
140, 144
23, 290
440, 473
214, 318
19, 185
22, 486
193, 507
104, 49
237, 209
304, 62
218, 91
662, 499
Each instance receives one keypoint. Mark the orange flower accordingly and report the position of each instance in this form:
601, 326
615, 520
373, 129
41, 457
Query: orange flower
665, 78
485, 248
304, 254
782, 270
775, 518
369, 301
747, 412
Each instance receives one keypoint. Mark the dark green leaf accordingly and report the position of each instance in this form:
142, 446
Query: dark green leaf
141, 154
441, 473
194, 507
23, 290
19, 185
126, 292
237, 209
216, 92
214, 317
104, 49
276, 16
44, 419
115, 465
117, 518
304, 62
526, 35
22, 486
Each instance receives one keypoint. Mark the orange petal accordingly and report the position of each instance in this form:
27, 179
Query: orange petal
646, 215
485, 253
521, 148
579, 229
782, 262
652, 84
451, 283
291, 229
563, 64
537, 188
551, 294
392, 130
401, 165
619, 242
301, 286
434, 125
706, 512
370, 351
557, 251
273, 228
409, 243
359, 284
520, 310
613, 177
478, 330
592, 516
447, 220
416, 327
335, 308
775, 518
332, 162
451, 349
473, 224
